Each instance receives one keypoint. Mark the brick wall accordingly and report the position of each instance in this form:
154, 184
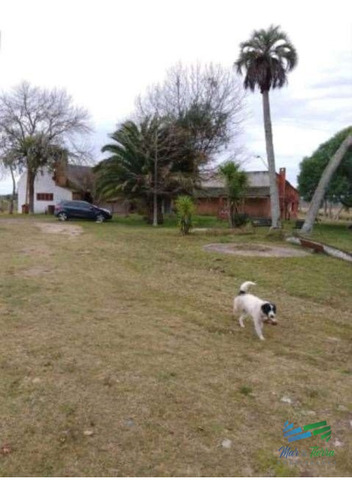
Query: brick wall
210, 206
256, 207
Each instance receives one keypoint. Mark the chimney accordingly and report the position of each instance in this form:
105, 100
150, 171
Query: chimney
60, 170
282, 190
282, 182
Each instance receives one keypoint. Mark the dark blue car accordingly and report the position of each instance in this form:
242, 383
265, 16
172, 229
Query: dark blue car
81, 210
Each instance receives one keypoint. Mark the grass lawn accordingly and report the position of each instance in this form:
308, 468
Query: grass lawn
120, 355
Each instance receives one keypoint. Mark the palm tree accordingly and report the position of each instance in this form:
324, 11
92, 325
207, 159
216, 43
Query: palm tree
125, 170
266, 58
236, 181
145, 165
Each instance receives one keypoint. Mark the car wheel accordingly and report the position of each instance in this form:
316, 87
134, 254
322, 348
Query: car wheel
100, 218
62, 216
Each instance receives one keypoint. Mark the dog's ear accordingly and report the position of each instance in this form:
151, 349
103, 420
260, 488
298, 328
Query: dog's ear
266, 308
274, 308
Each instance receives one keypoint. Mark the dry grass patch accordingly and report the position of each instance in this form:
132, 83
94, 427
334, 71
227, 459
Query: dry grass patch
124, 359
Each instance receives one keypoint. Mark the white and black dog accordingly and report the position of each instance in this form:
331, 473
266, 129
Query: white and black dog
261, 311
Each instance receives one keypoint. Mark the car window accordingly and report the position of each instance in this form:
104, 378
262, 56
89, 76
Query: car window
83, 204
76, 204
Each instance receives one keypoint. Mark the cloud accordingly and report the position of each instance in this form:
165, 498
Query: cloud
109, 55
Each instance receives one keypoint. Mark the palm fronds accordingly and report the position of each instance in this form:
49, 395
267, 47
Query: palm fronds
266, 58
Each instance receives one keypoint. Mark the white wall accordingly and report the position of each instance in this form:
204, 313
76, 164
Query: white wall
43, 184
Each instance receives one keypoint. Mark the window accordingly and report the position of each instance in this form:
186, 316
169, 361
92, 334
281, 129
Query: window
80, 204
45, 196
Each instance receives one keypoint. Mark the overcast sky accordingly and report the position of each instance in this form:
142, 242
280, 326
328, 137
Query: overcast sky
106, 52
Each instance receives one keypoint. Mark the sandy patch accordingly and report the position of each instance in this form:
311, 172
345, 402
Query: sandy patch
41, 251
253, 250
32, 272
60, 228
9, 221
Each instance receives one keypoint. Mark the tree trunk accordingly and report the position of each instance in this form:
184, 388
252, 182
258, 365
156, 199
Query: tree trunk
230, 212
12, 200
324, 183
274, 192
155, 195
27, 188
337, 216
31, 178
155, 209
151, 212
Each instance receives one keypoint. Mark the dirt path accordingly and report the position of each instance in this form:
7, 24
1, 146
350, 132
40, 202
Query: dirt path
46, 227
59, 228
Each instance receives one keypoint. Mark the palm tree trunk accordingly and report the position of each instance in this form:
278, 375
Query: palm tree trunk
274, 193
324, 183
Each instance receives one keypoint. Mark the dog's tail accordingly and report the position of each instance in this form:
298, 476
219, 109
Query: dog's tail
244, 287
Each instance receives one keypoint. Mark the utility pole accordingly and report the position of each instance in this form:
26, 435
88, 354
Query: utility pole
155, 194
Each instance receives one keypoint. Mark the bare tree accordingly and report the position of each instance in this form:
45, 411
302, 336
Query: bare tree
206, 101
37, 126
323, 184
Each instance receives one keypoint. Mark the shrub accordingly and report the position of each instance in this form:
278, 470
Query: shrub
185, 208
239, 219
246, 390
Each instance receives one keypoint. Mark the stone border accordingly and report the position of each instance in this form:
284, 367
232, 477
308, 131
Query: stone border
326, 249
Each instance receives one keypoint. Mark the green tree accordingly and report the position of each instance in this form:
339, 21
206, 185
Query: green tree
236, 184
312, 168
265, 59
324, 181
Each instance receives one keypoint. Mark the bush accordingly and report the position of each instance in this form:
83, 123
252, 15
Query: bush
185, 209
239, 220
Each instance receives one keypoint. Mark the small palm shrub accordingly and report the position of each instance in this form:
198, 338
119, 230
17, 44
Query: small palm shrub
185, 208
